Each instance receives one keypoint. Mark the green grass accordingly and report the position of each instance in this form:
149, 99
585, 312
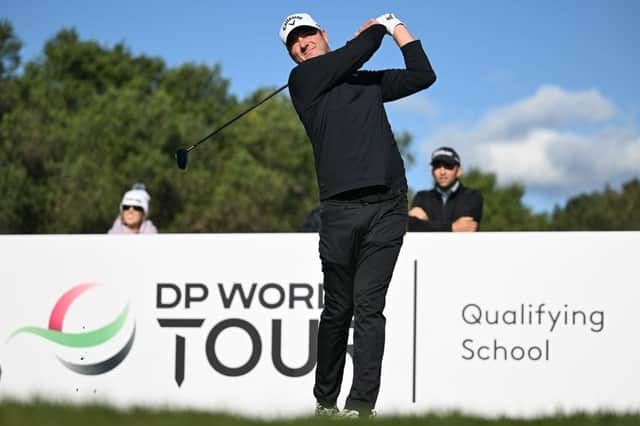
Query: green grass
49, 414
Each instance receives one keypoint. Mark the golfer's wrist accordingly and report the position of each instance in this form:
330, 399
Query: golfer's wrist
402, 36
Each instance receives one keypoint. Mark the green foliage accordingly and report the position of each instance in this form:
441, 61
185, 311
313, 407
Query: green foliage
606, 211
10, 47
403, 140
503, 209
84, 122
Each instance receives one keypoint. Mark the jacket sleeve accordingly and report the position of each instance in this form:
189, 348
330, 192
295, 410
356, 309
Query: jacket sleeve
421, 199
472, 205
315, 76
419, 225
417, 75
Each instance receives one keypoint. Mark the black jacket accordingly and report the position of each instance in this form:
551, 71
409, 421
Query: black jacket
342, 111
463, 202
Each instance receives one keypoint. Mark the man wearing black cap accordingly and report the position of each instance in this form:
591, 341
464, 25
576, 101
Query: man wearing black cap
449, 206
362, 185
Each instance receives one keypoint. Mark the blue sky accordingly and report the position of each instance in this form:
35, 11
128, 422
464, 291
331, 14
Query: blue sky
545, 93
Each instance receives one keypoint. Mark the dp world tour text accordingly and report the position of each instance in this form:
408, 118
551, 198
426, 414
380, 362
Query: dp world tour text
254, 354
234, 298
268, 295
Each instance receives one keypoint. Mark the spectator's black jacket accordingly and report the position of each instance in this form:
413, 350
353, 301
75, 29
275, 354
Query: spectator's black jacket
342, 111
463, 202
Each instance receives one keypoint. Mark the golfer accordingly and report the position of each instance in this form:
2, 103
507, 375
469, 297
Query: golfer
363, 188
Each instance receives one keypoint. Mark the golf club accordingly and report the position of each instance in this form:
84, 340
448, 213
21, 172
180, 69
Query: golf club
182, 154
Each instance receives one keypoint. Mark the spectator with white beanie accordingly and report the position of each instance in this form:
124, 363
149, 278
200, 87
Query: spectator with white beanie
134, 210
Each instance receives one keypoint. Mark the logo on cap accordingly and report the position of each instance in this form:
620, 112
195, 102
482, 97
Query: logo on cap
291, 20
445, 153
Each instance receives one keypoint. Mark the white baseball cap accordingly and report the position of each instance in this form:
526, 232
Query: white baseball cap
296, 20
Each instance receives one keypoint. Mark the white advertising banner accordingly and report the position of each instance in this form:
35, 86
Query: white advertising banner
518, 324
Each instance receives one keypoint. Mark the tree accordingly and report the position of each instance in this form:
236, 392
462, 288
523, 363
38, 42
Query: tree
10, 47
606, 211
404, 140
91, 120
256, 176
503, 209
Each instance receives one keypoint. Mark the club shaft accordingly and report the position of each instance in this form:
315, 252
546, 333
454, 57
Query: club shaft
237, 117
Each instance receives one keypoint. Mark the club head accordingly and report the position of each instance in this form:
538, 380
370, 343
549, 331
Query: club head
181, 157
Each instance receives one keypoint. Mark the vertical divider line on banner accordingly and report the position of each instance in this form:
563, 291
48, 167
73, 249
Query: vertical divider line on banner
179, 364
415, 314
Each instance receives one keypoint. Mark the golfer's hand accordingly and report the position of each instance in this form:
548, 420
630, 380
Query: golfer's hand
464, 224
389, 21
364, 26
418, 213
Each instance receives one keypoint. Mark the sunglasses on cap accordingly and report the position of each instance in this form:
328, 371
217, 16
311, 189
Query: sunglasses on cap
439, 164
300, 32
126, 207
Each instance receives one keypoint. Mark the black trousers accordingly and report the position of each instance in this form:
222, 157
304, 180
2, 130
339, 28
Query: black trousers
359, 244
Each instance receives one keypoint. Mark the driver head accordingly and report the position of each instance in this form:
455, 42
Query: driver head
181, 158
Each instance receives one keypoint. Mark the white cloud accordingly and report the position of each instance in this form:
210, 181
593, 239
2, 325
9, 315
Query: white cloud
550, 107
555, 140
524, 159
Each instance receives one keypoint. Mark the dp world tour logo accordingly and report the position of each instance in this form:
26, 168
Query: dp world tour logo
87, 339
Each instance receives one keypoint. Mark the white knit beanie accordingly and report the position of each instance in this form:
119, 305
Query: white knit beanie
137, 196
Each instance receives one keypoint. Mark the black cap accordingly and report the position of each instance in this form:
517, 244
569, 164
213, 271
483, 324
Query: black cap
446, 155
